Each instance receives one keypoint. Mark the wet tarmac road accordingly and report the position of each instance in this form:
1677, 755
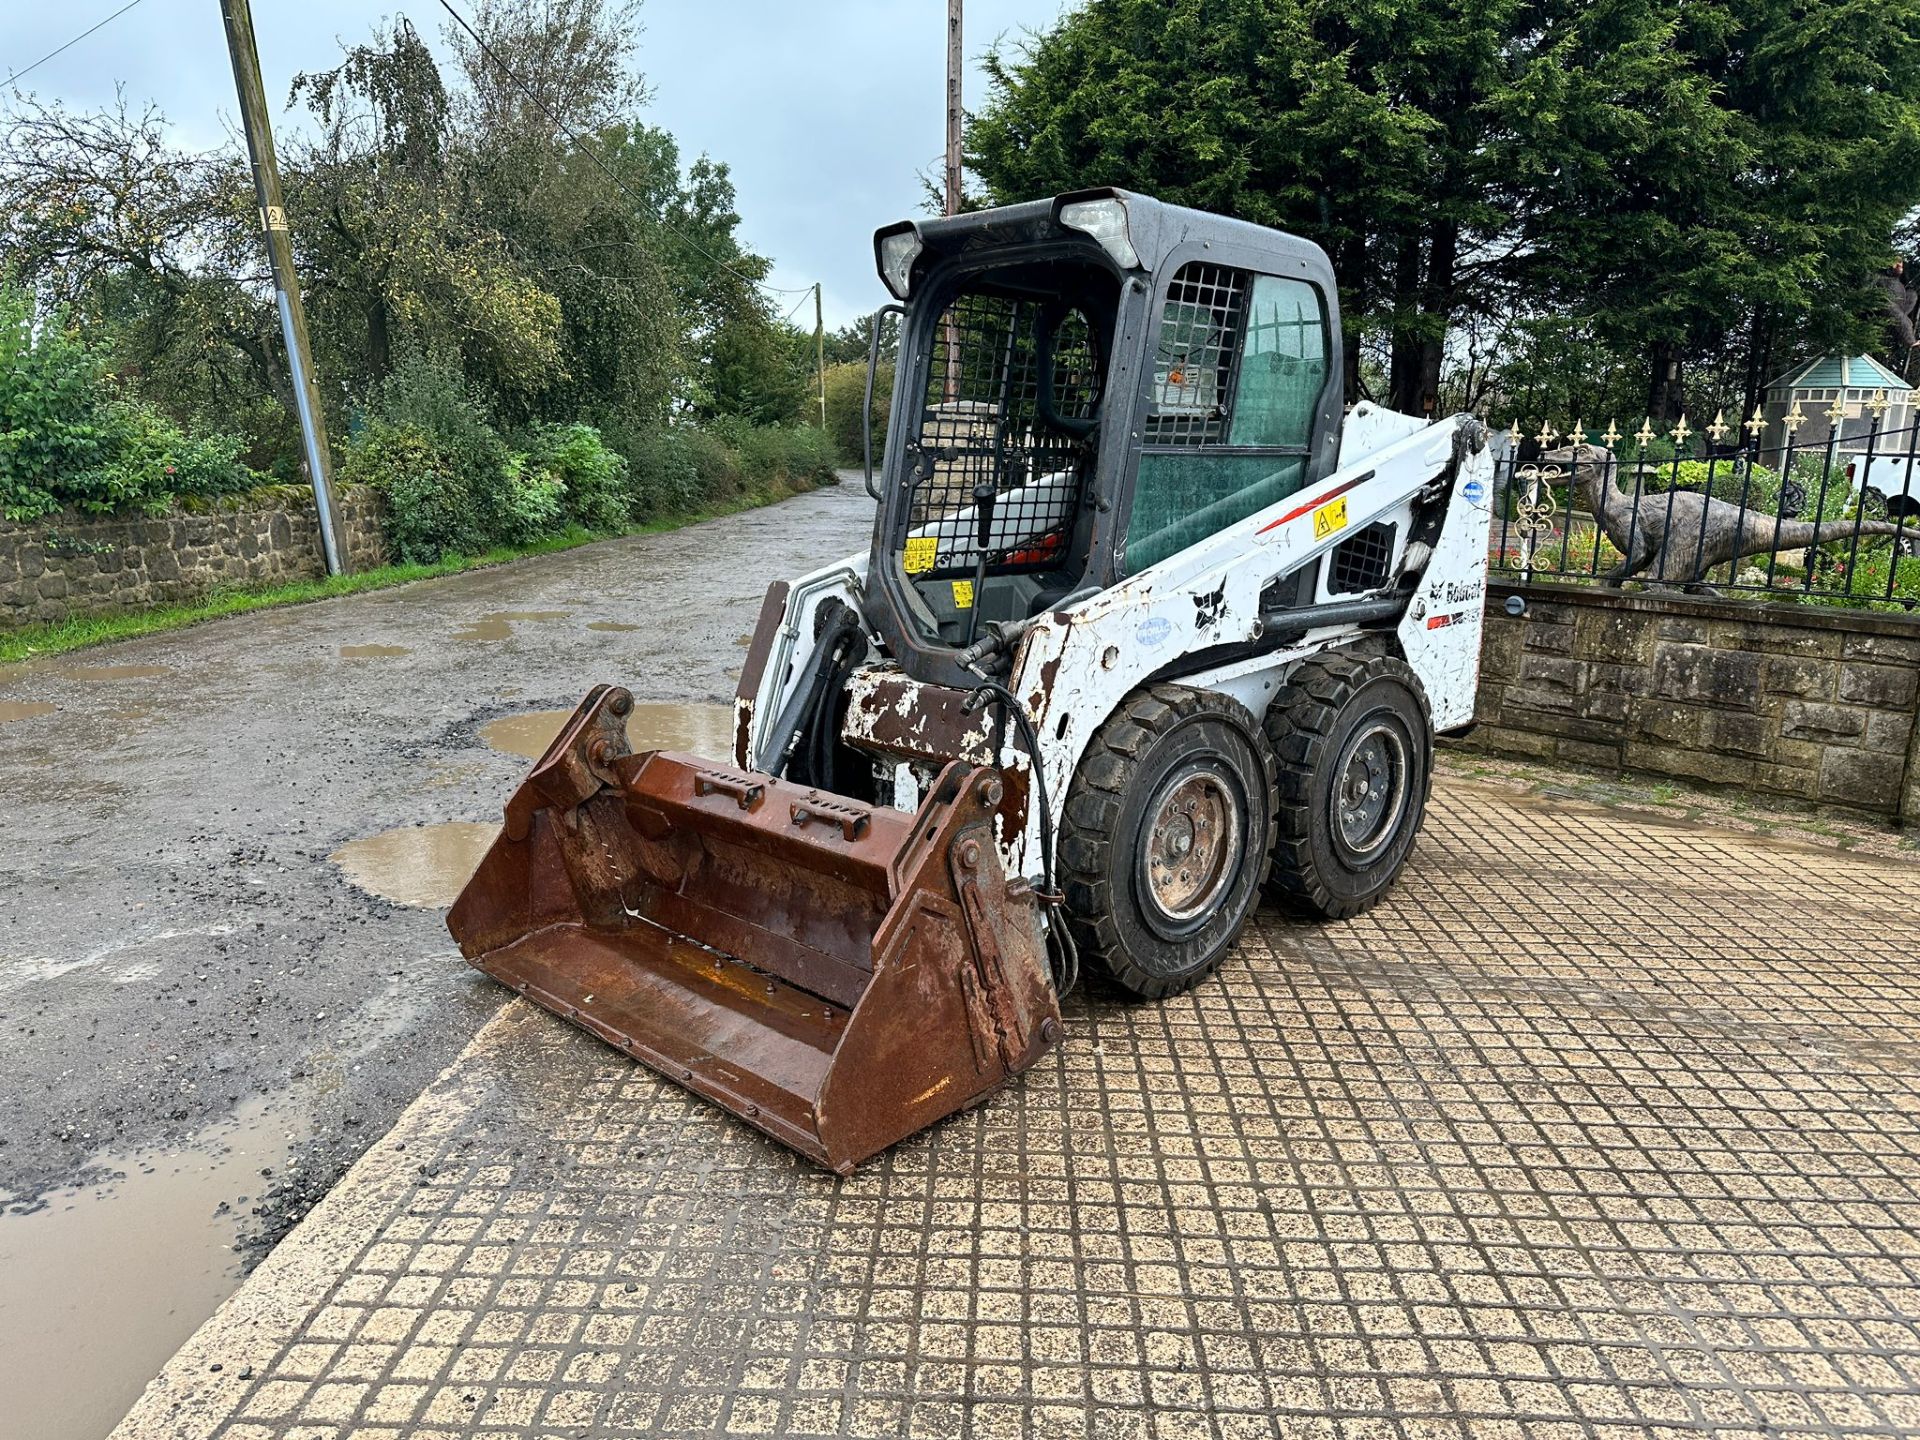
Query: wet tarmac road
175, 944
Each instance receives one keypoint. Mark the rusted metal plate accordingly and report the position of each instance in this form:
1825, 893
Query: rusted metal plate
895, 715
836, 974
892, 715
773, 612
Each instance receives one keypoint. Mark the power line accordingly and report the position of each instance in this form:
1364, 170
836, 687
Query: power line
22, 74
590, 152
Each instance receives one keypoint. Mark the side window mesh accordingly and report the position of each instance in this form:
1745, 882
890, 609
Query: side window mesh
1193, 357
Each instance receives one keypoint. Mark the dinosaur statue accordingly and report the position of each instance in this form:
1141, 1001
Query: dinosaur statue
1664, 544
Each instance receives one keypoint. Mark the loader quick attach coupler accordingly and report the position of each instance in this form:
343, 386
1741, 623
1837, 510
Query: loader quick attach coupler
836, 974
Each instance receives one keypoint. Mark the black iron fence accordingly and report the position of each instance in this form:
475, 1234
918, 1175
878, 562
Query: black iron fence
1785, 507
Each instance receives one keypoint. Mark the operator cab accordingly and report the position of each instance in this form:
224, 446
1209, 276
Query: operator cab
1072, 404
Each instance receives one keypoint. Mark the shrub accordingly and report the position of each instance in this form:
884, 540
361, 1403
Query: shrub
812, 457
770, 455
432, 505
69, 438
679, 469
846, 393
1731, 480
597, 489
450, 482
532, 503
667, 473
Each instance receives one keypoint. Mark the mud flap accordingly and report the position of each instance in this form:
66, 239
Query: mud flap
838, 975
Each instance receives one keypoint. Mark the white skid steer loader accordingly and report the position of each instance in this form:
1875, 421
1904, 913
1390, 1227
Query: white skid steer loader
1148, 629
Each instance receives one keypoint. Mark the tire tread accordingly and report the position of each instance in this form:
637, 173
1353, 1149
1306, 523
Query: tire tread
1299, 727
1095, 802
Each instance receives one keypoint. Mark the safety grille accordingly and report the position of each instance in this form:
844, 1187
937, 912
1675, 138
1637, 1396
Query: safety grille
982, 421
1193, 356
1360, 563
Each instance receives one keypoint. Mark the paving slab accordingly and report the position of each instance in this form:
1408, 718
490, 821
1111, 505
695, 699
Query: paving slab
1602, 1125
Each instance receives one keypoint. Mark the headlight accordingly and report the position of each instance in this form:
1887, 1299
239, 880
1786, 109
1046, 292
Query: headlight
1106, 221
898, 251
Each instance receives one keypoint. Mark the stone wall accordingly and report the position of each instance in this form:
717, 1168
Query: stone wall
71, 564
1815, 703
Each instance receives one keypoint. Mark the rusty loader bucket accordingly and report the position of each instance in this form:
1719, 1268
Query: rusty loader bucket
836, 974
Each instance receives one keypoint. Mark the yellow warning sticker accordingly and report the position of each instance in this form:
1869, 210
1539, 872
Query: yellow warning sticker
921, 550
1329, 518
963, 594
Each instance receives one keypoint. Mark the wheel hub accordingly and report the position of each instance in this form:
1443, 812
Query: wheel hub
1371, 790
1192, 846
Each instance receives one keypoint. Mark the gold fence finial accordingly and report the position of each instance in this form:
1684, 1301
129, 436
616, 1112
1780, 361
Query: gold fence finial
1758, 423
1645, 433
1795, 418
1547, 435
1680, 432
1878, 404
1837, 411
1612, 435
1718, 429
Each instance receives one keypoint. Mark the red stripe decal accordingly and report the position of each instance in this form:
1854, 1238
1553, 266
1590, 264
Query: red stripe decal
1313, 504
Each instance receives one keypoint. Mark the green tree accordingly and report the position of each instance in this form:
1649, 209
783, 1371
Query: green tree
1662, 175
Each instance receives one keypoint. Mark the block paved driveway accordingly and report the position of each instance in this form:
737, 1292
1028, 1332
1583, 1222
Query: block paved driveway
1602, 1126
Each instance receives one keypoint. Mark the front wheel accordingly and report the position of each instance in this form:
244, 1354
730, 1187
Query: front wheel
1352, 738
1165, 838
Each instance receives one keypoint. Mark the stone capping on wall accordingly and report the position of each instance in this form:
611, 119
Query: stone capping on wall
1814, 703
72, 564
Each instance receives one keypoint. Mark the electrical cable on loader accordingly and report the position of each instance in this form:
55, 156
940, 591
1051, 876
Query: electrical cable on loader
1148, 629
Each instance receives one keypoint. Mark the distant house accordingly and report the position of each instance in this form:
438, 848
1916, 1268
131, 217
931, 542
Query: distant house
1855, 380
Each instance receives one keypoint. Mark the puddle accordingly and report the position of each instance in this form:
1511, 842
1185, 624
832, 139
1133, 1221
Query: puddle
372, 652
613, 625
11, 710
423, 865
115, 672
499, 624
703, 729
106, 1281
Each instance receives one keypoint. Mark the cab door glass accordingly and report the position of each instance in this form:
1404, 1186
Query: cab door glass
1283, 364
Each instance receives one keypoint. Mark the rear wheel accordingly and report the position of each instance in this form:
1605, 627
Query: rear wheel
1353, 743
1165, 839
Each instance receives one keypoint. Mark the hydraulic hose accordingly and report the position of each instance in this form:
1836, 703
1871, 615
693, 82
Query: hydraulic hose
1067, 975
804, 703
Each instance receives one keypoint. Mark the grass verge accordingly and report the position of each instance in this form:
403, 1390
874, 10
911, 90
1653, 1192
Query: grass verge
76, 633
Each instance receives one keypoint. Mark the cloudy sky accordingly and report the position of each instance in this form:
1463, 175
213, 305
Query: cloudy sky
827, 110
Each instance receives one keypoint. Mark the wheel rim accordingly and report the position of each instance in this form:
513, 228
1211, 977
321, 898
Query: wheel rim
1190, 846
1370, 789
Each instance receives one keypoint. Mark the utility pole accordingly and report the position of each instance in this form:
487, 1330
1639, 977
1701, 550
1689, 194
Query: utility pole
286, 285
953, 107
950, 390
820, 352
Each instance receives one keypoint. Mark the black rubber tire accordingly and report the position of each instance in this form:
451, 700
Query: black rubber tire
1327, 702
1157, 738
